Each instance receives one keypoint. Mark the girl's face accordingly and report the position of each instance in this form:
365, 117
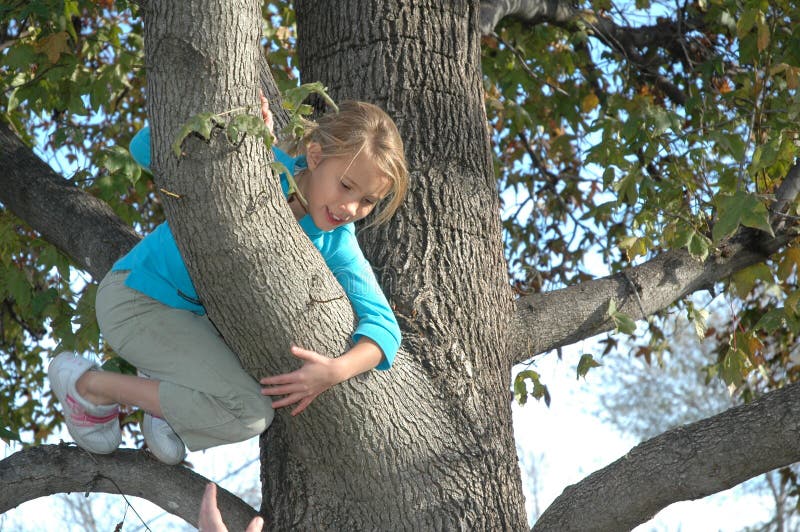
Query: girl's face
341, 190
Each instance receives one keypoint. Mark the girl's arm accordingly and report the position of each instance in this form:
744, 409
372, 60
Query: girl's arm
377, 335
319, 373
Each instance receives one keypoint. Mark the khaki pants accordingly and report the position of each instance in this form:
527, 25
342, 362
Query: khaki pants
205, 395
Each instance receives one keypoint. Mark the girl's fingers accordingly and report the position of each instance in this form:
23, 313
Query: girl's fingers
305, 354
283, 378
303, 405
283, 390
286, 401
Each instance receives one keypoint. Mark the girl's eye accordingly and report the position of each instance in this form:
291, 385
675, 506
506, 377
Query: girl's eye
368, 201
344, 185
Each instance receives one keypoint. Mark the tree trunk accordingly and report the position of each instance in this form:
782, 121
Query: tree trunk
435, 450
429, 443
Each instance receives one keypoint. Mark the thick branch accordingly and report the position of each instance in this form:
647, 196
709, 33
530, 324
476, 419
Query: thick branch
562, 317
627, 41
80, 225
685, 463
531, 11
49, 469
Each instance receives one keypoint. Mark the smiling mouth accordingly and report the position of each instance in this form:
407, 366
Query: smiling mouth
335, 220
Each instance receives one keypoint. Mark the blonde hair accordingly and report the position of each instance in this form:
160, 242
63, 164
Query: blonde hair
361, 127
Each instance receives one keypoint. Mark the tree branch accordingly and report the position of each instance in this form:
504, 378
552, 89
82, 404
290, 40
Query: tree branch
49, 469
578, 312
627, 41
686, 463
80, 225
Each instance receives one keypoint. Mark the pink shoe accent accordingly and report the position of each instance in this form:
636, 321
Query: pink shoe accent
79, 416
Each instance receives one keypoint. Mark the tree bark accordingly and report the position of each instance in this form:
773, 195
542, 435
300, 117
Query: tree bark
390, 449
686, 463
444, 456
49, 469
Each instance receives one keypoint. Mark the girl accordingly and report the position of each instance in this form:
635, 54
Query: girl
191, 386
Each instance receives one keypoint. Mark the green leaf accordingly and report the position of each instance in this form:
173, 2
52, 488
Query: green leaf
623, 322
743, 281
245, 124
741, 208
539, 390
20, 57
627, 188
586, 363
119, 365
8, 435
771, 321
279, 168
201, 124
699, 318
699, 245
293, 98
746, 22
734, 367
118, 160
42, 299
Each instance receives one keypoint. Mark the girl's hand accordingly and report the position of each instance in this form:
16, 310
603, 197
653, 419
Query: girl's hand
303, 385
266, 114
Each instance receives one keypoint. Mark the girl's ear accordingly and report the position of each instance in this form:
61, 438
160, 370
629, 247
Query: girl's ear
313, 155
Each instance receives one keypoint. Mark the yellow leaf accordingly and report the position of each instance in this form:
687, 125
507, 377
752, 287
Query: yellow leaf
763, 35
788, 262
589, 102
791, 77
791, 302
53, 45
283, 33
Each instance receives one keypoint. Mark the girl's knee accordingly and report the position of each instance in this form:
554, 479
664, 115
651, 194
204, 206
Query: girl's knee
256, 415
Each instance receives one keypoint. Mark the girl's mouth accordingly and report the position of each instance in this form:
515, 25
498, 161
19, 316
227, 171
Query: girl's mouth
333, 220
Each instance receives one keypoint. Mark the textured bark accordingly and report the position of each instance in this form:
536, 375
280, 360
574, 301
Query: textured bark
555, 319
80, 225
442, 456
49, 469
685, 463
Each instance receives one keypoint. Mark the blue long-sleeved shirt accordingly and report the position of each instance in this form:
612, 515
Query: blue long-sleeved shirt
157, 268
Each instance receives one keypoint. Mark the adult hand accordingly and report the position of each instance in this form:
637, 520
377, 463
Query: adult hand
266, 114
303, 385
210, 519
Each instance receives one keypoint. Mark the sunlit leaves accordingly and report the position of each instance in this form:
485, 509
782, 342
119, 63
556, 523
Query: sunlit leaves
740, 209
528, 382
586, 363
622, 322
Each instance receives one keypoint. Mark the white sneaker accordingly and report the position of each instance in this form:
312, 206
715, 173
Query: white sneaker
162, 440
93, 427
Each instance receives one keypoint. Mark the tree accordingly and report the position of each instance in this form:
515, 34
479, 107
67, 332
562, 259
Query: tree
429, 444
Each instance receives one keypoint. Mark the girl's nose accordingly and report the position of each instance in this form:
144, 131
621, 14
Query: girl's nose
350, 208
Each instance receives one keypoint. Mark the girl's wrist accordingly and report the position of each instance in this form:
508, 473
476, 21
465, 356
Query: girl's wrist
339, 370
